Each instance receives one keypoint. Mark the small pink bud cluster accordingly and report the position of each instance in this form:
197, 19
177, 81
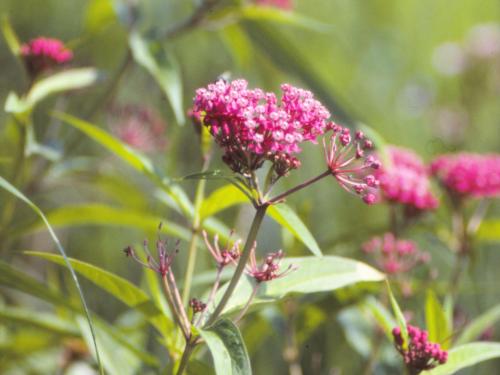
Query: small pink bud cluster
252, 127
269, 269
420, 355
41, 54
197, 305
393, 255
228, 255
283, 4
347, 160
468, 174
139, 127
406, 180
165, 258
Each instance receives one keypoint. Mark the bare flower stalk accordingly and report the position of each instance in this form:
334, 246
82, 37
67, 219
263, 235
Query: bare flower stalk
182, 311
211, 296
247, 305
173, 307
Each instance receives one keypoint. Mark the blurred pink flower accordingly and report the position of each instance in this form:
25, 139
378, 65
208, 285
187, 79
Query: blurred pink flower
349, 164
251, 126
405, 180
283, 4
42, 53
484, 40
139, 127
394, 255
468, 174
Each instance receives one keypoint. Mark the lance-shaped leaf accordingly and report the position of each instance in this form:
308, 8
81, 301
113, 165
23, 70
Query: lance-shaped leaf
10, 36
228, 350
435, 318
400, 318
475, 328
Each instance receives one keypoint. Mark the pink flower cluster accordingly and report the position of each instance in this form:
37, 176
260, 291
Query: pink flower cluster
406, 180
394, 255
139, 127
251, 126
283, 4
269, 270
420, 355
42, 53
228, 255
468, 174
348, 163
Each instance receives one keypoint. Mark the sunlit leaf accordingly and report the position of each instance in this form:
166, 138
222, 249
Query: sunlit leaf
465, 356
287, 218
475, 328
64, 258
10, 36
221, 199
228, 350
436, 322
489, 230
161, 64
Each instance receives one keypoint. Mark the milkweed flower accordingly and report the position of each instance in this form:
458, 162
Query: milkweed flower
283, 4
227, 255
270, 267
394, 255
468, 174
349, 164
139, 127
197, 305
406, 180
165, 259
41, 54
420, 354
251, 126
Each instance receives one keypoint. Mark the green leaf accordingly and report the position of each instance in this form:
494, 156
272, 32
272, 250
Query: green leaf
221, 199
161, 64
489, 230
312, 275
435, 318
465, 356
120, 288
44, 321
400, 318
287, 218
209, 175
99, 214
64, 258
381, 314
55, 83
99, 15
475, 328
10, 36
273, 14
228, 350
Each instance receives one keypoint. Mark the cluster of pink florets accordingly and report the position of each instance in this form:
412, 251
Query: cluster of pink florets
406, 180
139, 127
394, 255
269, 269
42, 53
251, 126
420, 354
468, 174
349, 163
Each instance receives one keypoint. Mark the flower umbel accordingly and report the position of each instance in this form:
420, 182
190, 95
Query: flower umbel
406, 180
227, 255
197, 305
165, 258
468, 175
348, 163
394, 255
420, 354
269, 269
41, 54
252, 127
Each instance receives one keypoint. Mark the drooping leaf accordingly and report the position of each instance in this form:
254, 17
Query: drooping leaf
465, 356
475, 328
10, 36
287, 218
436, 322
100, 214
400, 318
59, 82
64, 258
228, 350
160, 63
312, 275
120, 288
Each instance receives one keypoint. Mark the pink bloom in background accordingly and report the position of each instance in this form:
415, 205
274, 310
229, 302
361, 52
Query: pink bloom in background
420, 354
139, 127
283, 4
394, 255
469, 175
406, 180
251, 126
41, 54
350, 165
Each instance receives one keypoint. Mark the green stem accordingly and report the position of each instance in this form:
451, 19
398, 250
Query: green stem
185, 357
240, 268
301, 186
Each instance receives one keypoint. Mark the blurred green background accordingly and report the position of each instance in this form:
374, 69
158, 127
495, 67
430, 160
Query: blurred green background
410, 69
